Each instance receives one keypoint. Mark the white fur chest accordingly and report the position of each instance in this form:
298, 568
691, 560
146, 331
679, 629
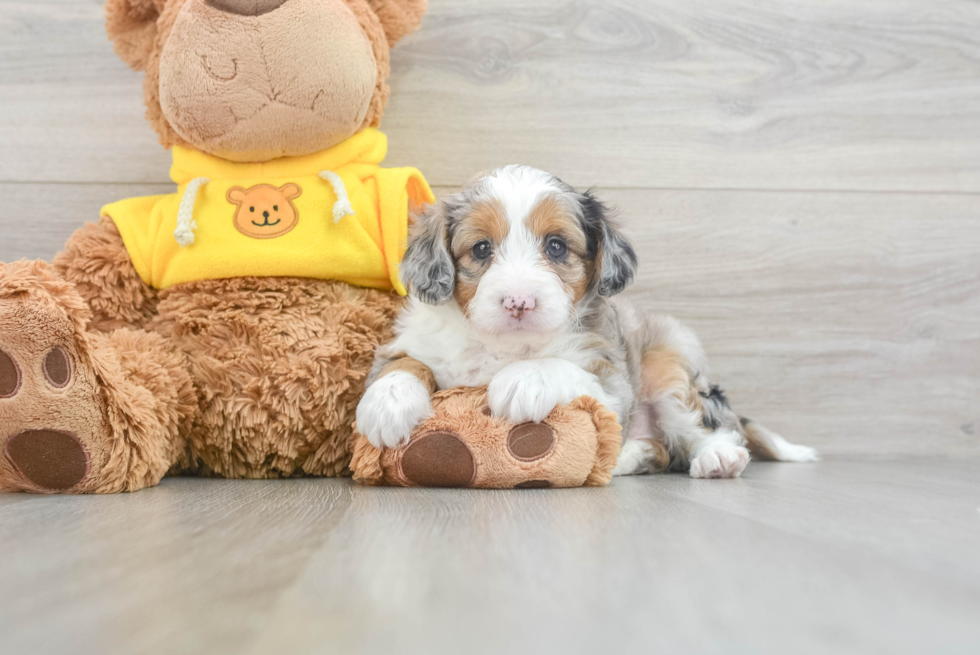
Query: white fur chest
440, 338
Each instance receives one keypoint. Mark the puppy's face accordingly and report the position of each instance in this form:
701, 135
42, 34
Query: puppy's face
519, 251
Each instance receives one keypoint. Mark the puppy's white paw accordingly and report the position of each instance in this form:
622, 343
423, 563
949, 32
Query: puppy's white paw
634, 457
719, 460
391, 408
529, 390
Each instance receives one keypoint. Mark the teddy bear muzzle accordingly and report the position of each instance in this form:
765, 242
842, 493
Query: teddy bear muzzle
246, 7
217, 67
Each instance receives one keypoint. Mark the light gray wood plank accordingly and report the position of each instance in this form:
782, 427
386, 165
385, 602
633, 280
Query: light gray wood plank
882, 507
847, 321
184, 565
772, 94
883, 94
72, 111
638, 567
848, 557
41, 217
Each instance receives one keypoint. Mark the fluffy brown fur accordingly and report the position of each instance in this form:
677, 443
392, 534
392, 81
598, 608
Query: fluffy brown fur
247, 377
586, 441
128, 403
96, 261
279, 364
140, 28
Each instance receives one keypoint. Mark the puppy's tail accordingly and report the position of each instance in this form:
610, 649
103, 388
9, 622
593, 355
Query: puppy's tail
765, 444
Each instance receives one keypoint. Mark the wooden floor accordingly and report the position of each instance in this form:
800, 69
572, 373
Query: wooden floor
843, 556
802, 178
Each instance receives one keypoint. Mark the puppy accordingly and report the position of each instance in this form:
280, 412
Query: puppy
511, 283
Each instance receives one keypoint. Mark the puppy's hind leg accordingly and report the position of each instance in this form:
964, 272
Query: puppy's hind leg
701, 432
642, 451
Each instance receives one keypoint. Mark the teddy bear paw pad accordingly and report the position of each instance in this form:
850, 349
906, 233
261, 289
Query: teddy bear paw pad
531, 441
50, 412
9, 376
36, 381
51, 459
438, 459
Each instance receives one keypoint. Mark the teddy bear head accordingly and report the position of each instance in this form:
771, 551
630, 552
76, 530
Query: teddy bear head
252, 80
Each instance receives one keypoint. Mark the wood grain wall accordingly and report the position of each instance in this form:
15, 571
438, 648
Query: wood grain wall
802, 178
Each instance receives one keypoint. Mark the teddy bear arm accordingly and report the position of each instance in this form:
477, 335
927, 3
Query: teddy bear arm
464, 445
95, 260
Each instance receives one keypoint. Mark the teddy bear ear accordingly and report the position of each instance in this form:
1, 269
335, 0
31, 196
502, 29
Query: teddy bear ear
399, 17
290, 191
132, 28
235, 195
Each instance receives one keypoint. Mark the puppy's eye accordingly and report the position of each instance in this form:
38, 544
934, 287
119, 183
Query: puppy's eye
482, 250
556, 248
251, 209
275, 208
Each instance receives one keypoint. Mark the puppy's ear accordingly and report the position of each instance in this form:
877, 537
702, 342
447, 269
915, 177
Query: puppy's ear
399, 17
614, 255
132, 28
428, 270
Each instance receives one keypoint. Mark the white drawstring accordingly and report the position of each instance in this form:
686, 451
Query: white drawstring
342, 207
185, 214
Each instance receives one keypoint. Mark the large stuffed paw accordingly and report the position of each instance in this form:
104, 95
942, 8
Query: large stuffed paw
69, 407
51, 418
391, 408
463, 445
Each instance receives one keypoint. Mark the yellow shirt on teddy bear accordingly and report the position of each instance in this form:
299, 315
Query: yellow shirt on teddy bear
333, 215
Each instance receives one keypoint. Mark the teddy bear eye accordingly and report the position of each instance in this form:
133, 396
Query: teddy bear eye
251, 209
275, 208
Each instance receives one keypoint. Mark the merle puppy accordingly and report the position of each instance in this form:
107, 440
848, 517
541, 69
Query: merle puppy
511, 283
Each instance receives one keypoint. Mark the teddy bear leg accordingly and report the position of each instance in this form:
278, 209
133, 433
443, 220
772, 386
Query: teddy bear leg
82, 411
96, 262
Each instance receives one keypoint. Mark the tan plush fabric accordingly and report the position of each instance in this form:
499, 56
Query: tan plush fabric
142, 29
123, 410
399, 17
462, 445
96, 261
279, 365
218, 92
132, 26
107, 384
244, 378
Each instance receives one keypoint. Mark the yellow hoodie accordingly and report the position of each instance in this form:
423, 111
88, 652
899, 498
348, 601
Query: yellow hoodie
332, 215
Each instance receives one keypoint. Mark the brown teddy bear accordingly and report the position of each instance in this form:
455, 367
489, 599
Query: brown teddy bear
218, 330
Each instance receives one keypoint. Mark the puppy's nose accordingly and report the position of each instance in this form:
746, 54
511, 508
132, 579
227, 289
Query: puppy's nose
246, 7
265, 214
517, 305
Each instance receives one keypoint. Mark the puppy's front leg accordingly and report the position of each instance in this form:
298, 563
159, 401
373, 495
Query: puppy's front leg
396, 402
528, 390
